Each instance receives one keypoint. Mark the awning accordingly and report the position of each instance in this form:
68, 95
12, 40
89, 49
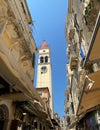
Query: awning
15, 97
93, 54
31, 108
90, 96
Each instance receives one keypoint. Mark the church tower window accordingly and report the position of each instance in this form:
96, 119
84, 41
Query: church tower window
46, 59
41, 59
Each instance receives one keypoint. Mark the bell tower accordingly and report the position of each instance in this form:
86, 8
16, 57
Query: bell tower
44, 71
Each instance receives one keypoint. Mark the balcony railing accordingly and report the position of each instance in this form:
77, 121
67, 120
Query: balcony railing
71, 33
73, 60
72, 117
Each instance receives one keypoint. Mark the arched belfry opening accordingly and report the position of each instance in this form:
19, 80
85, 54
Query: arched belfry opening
46, 59
4, 117
41, 59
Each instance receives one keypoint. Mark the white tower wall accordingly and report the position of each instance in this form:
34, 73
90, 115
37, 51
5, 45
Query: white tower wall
44, 77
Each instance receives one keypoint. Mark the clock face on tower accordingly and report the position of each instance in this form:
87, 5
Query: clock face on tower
44, 69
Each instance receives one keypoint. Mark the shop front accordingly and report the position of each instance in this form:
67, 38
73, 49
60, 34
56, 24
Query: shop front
89, 121
4, 115
17, 124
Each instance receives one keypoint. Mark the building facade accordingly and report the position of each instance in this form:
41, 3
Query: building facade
83, 50
63, 123
20, 105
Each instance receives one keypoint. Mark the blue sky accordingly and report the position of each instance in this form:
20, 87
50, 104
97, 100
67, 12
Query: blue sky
49, 18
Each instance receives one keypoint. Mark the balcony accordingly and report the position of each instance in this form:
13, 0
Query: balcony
72, 117
68, 91
68, 105
71, 34
73, 60
68, 52
66, 110
73, 121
